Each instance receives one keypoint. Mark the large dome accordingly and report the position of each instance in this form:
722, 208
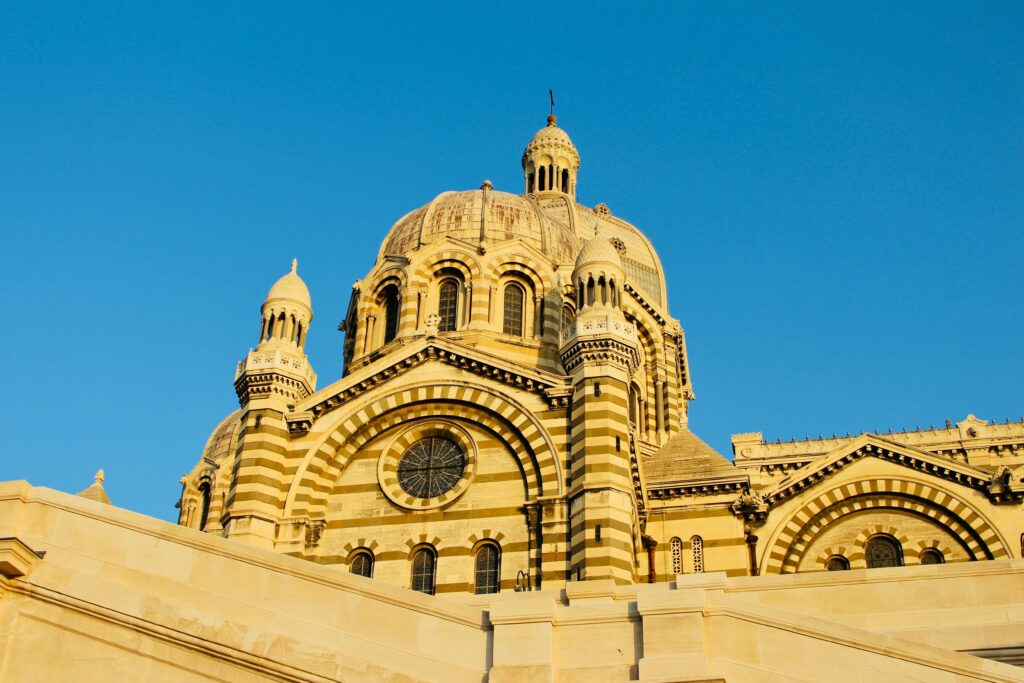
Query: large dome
482, 215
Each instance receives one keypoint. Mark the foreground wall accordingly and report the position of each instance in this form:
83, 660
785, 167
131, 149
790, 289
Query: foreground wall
119, 596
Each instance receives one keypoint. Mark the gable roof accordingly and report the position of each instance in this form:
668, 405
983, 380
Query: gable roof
872, 445
552, 388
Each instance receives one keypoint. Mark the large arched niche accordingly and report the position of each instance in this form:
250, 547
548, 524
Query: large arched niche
354, 427
488, 500
793, 545
849, 534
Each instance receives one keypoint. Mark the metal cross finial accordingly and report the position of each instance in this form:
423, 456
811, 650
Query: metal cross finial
551, 96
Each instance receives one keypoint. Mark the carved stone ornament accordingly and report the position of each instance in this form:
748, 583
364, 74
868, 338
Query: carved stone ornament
432, 323
751, 506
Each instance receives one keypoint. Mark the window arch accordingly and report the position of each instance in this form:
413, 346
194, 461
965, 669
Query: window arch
883, 551
931, 556
424, 564
361, 563
676, 544
512, 317
448, 305
391, 312
697, 547
568, 315
204, 491
837, 563
488, 568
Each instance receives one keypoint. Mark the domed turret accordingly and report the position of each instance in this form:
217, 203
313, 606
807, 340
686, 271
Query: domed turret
598, 274
290, 287
287, 310
551, 162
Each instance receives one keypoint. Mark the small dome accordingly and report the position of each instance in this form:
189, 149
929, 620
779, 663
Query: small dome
550, 138
223, 439
599, 250
291, 287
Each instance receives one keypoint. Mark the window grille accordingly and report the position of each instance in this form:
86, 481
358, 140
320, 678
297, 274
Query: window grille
430, 467
512, 321
488, 569
361, 564
837, 563
697, 547
448, 305
423, 563
931, 556
677, 556
883, 551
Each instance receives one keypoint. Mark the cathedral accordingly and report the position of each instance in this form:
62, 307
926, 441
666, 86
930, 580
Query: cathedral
504, 486
513, 414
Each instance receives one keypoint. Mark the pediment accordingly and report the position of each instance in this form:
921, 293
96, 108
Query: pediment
995, 485
553, 388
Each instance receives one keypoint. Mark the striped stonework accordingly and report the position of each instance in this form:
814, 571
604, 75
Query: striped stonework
601, 504
959, 518
356, 425
257, 490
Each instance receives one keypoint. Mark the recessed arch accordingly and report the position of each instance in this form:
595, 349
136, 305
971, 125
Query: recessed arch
792, 540
348, 432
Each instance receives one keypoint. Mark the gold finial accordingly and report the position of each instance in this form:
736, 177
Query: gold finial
551, 115
99, 477
295, 264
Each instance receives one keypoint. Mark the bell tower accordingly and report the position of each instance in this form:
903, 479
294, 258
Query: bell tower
269, 381
599, 351
551, 162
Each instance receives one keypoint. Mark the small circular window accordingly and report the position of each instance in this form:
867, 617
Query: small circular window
431, 467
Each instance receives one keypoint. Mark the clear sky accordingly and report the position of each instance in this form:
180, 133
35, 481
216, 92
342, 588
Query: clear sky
836, 191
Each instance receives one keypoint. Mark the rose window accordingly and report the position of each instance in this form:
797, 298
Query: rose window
431, 467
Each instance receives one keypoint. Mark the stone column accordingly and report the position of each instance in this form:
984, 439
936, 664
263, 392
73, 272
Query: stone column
538, 317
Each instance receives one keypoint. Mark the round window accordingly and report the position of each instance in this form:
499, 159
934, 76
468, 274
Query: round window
431, 467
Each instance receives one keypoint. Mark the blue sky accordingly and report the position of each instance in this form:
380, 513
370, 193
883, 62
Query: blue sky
836, 191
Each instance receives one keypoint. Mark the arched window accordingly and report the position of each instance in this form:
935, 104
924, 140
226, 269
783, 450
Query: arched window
423, 565
931, 556
676, 544
837, 563
568, 316
448, 305
361, 563
204, 491
883, 551
512, 319
541, 178
565, 180
391, 304
488, 569
697, 546
634, 400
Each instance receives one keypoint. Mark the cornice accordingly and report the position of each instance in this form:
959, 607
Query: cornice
699, 487
554, 389
645, 304
998, 486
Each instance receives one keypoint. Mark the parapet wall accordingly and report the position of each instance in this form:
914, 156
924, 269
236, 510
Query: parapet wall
120, 596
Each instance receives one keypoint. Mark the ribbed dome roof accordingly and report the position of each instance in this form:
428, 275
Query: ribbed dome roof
549, 138
469, 216
291, 287
599, 250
